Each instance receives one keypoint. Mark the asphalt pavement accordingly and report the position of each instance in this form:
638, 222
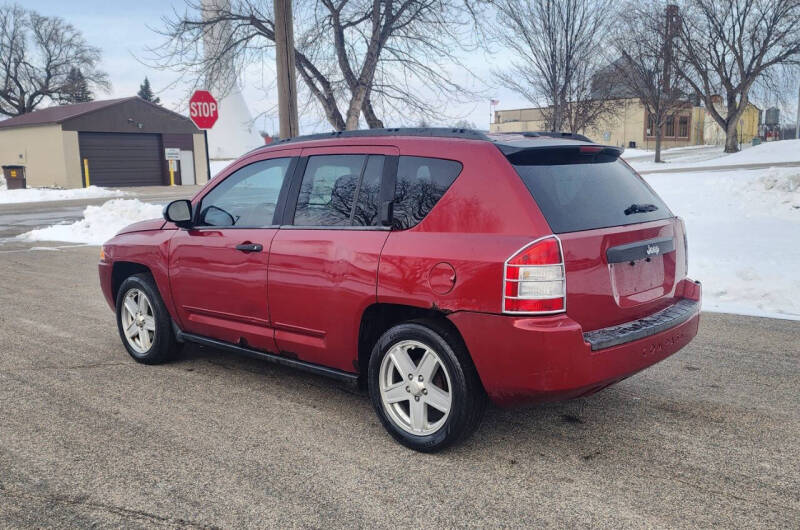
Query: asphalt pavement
88, 438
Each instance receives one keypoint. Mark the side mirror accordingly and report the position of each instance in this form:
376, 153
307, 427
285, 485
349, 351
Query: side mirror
179, 212
387, 213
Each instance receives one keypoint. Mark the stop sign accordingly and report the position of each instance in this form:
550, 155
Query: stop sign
203, 109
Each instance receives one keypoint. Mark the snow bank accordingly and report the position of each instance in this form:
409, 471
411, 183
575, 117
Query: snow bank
690, 158
743, 231
766, 153
782, 179
634, 153
99, 223
48, 194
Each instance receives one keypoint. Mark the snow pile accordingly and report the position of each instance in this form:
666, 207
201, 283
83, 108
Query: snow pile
703, 156
2, 182
687, 151
52, 194
766, 153
743, 231
782, 179
632, 153
99, 223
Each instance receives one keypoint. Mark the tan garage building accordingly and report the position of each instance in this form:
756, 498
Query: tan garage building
117, 142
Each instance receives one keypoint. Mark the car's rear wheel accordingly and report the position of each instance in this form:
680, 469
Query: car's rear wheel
144, 324
424, 387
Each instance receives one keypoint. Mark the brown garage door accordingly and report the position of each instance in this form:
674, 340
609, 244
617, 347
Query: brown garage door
120, 159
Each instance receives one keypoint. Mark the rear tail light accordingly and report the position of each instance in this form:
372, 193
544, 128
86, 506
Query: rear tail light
534, 281
685, 245
590, 148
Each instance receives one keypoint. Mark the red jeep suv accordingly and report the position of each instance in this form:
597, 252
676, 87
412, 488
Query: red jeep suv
437, 267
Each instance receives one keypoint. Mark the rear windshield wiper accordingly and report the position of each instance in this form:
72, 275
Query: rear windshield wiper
640, 208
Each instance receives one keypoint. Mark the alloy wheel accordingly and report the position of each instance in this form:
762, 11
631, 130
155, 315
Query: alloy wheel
415, 387
138, 320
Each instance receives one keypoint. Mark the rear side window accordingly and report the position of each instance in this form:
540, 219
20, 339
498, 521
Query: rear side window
582, 191
340, 190
367, 210
328, 190
421, 182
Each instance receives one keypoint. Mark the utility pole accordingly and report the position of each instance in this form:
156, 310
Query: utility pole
670, 24
287, 79
797, 123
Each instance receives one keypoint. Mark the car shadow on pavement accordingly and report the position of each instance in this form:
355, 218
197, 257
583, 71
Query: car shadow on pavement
581, 426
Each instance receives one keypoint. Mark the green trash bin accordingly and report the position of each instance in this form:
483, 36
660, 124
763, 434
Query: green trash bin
15, 177
756, 140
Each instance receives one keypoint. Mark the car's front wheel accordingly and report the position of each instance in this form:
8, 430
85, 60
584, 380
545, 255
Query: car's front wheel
144, 324
424, 387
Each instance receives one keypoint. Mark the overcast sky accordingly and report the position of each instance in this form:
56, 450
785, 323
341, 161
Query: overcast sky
120, 30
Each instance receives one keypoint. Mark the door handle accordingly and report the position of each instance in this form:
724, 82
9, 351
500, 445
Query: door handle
249, 247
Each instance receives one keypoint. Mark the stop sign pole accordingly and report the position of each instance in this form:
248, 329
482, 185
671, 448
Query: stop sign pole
204, 112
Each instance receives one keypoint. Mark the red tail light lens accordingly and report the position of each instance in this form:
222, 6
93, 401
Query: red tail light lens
534, 280
685, 245
590, 148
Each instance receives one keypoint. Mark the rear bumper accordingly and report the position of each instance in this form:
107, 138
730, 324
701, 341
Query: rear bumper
550, 358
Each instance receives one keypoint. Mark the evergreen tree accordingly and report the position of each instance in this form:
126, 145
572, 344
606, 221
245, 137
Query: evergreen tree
146, 93
76, 88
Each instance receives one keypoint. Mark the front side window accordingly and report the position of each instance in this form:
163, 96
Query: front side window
421, 182
246, 198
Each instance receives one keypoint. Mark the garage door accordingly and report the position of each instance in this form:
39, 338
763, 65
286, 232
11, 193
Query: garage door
119, 159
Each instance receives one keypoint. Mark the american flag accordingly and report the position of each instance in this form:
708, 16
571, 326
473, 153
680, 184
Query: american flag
494, 102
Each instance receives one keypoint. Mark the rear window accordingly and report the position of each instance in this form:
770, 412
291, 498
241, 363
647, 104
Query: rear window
581, 191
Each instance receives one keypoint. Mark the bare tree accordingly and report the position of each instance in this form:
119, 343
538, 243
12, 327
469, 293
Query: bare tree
557, 45
355, 57
464, 124
727, 45
37, 54
642, 62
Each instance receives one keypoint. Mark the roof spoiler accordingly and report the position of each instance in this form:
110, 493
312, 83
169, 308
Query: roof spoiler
555, 154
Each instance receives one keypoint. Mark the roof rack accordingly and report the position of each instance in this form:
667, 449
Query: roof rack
437, 132
429, 132
557, 134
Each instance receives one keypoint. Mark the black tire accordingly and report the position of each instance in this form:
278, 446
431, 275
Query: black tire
163, 345
468, 399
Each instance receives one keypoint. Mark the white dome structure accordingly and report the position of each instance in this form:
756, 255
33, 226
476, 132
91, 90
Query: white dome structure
234, 133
